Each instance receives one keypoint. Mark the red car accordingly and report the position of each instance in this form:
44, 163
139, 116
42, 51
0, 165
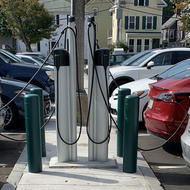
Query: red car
168, 105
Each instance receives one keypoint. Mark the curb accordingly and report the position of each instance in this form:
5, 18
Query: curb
17, 172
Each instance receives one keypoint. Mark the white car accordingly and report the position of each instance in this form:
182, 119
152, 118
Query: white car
185, 143
141, 87
145, 64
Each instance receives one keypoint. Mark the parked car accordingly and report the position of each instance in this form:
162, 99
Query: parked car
11, 67
117, 59
141, 87
14, 112
166, 110
2, 115
37, 55
145, 64
185, 143
38, 62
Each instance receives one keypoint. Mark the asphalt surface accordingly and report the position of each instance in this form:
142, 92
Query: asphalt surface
167, 163
9, 154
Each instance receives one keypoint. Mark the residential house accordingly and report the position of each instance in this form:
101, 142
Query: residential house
60, 9
100, 10
172, 35
140, 26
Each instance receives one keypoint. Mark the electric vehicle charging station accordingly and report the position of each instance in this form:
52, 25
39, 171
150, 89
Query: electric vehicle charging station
98, 125
65, 88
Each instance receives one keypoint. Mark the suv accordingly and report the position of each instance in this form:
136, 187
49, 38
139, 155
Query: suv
146, 64
12, 67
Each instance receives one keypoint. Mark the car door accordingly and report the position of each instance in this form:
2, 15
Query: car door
161, 61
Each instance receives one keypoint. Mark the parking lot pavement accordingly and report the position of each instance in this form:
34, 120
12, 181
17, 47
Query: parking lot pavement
167, 163
9, 153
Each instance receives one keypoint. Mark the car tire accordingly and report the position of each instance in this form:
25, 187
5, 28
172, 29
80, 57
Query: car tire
11, 117
117, 83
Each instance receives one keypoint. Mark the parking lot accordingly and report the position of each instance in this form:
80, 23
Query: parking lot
167, 163
10, 152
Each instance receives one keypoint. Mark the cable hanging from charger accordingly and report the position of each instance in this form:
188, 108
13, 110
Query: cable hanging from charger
80, 107
91, 89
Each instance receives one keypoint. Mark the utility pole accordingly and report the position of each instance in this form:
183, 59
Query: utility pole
118, 17
78, 11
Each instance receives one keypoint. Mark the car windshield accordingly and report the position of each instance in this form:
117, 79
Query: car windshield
182, 66
134, 57
136, 61
181, 75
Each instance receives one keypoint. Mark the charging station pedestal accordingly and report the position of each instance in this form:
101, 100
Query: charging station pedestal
99, 116
65, 101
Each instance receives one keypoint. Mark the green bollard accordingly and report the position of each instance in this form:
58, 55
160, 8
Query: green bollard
32, 121
130, 136
122, 92
39, 92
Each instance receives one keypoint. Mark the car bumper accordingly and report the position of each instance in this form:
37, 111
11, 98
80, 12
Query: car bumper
185, 144
164, 128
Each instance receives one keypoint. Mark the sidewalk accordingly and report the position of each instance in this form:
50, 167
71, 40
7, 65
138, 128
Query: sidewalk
83, 177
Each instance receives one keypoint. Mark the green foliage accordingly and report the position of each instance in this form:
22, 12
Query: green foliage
168, 11
28, 20
120, 45
4, 31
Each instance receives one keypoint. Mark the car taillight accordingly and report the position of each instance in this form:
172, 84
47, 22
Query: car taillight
166, 97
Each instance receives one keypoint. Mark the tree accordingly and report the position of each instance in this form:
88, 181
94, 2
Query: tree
4, 31
28, 20
168, 11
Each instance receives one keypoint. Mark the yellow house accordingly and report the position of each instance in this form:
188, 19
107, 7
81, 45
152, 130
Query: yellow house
100, 9
140, 24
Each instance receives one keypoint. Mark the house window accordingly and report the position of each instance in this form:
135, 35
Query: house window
95, 11
171, 34
141, 2
132, 22
139, 45
149, 22
57, 19
131, 45
146, 44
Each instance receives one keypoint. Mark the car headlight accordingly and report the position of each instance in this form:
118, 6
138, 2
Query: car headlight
23, 93
139, 93
50, 74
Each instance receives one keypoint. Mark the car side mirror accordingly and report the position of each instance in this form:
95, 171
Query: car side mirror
150, 64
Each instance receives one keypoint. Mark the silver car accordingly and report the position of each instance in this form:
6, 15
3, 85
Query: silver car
185, 143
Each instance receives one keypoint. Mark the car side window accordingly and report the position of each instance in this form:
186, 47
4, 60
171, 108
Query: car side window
163, 59
5, 58
28, 60
181, 55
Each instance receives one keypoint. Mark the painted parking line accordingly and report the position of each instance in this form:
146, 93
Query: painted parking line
144, 135
171, 167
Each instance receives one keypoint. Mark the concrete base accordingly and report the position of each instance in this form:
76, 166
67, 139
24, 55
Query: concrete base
83, 163
84, 103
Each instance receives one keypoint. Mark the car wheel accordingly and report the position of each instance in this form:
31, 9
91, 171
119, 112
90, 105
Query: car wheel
117, 83
143, 121
11, 117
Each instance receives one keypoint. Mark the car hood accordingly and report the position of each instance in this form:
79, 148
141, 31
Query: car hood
139, 85
117, 69
30, 66
19, 84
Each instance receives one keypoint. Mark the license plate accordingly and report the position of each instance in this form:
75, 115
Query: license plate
150, 104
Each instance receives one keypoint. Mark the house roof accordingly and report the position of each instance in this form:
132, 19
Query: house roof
170, 22
92, 1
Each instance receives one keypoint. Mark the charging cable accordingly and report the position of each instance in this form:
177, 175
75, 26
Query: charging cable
80, 107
